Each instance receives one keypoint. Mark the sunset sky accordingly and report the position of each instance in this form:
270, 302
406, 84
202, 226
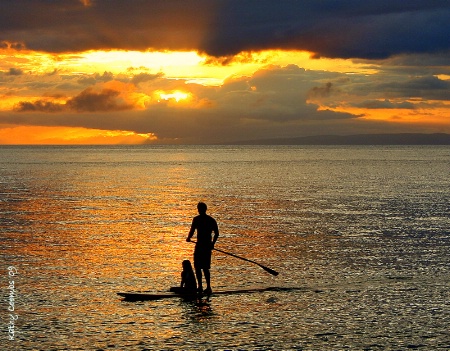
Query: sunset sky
130, 72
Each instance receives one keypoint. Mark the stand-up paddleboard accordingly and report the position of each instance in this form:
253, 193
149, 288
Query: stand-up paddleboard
148, 295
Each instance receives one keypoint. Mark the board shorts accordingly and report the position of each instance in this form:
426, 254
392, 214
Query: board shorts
202, 257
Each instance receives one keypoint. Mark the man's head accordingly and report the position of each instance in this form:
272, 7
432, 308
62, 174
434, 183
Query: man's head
201, 207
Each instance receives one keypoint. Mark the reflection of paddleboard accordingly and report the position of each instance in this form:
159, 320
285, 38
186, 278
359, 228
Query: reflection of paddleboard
148, 295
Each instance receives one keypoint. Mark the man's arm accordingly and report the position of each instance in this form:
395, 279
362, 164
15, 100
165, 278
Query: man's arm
191, 231
216, 234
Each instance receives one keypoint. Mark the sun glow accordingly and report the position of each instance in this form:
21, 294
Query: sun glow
176, 95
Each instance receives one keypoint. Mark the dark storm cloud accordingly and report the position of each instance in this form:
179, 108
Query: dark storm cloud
345, 28
348, 28
68, 25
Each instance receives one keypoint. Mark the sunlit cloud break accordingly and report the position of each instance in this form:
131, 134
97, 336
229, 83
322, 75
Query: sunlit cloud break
177, 96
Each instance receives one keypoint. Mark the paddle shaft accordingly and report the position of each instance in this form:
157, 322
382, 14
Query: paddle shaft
267, 269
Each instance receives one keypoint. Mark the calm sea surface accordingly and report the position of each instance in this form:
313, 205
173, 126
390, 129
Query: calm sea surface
361, 234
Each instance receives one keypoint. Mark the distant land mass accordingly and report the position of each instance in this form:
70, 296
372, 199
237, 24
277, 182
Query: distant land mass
357, 139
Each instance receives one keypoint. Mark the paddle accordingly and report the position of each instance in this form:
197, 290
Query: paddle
267, 269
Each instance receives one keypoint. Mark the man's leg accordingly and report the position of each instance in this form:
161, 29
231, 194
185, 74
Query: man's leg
208, 280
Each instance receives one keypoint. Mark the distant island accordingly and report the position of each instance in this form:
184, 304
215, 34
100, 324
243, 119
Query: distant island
357, 139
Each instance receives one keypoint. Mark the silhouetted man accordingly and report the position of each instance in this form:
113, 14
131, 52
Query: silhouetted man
205, 226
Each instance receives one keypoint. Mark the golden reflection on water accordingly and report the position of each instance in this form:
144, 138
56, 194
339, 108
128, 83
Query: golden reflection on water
110, 227
79, 232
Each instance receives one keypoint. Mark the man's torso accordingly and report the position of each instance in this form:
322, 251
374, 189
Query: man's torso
205, 225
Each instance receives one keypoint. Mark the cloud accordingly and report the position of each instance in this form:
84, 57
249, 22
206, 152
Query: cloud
425, 87
414, 64
275, 101
87, 101
347, 29
145, 77
11, 45
15, 72
70, 26
243, 57
39, 106
91, 101
385, 104
95, 78
271, 102
322, 91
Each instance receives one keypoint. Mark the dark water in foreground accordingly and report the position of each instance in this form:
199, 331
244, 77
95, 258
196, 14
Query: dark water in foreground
361, 233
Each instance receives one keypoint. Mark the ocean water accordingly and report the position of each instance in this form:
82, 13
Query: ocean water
360, 234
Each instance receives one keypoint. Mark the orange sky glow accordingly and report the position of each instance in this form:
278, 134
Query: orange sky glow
133, 80
183, 87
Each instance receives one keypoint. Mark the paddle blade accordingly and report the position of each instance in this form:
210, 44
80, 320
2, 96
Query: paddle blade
268, 270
